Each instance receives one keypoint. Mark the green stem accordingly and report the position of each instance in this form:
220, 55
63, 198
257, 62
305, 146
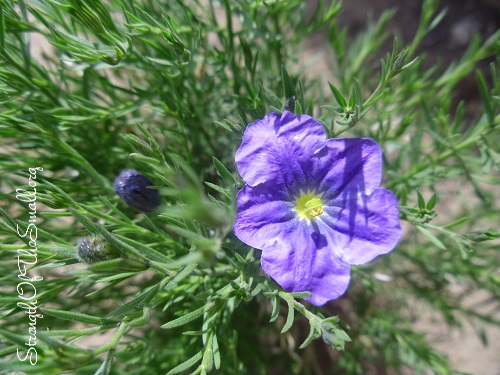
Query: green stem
113, 343
299, 307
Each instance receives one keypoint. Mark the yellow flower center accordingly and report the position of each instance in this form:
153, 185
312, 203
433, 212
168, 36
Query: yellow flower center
309, 204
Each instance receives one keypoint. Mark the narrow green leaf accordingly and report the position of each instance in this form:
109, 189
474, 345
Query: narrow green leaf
421, 200
7, 350
77, 317
331, 108
181, 275
485, 95
276, 109
223, 125
432, 201
216, 352
187, 364
257, 290
145, 250
358, 101
275, 101
118, 264
338, 96
13, 337
302, 105
137, 303
437, 19
431, 237
352, 98
189, 317
138, 144
217, 188
288, 88
194, 333
208, 356
119, 276
402, 195
289, 319
239, 258
187, 233
160, 61
456, 222
298, 108
144, 159
314, 333
224, 173
459, 113
276, 309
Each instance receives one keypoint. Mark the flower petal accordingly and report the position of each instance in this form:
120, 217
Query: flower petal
363, 227
347, 166
303, 261
302, 129
263, 215
272, 148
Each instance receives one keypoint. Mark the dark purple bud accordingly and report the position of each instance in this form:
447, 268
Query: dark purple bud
132, 187
92, 249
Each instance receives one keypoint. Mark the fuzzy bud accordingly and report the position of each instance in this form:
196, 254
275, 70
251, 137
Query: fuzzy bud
92, 249
132, 187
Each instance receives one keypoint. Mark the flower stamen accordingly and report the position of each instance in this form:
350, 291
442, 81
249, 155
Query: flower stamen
309, 205
314, 207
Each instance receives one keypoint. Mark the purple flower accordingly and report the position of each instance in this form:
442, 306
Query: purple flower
132, 187
312, 205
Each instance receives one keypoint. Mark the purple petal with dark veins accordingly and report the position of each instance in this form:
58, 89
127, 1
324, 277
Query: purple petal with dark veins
302, 261
273, 148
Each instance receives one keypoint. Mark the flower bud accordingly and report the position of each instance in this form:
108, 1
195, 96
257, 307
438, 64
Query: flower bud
92, 249
132, 187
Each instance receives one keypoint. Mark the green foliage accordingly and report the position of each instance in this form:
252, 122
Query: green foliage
167, 87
